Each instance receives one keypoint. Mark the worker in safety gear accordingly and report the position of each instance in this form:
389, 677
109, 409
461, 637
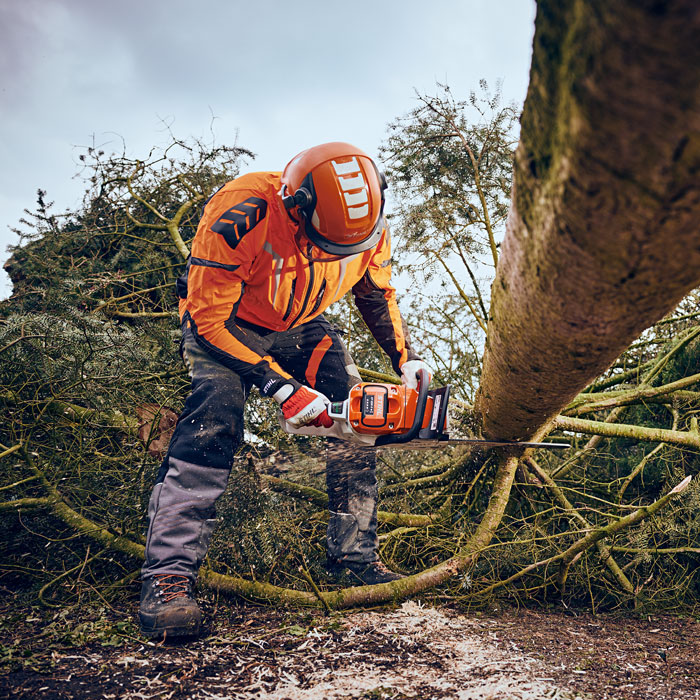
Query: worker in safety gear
272, 252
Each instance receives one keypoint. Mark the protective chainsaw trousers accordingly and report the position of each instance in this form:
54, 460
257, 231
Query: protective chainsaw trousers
209, 431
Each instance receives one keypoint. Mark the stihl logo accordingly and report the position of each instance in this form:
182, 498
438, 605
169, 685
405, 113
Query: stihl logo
380, 406
354, 187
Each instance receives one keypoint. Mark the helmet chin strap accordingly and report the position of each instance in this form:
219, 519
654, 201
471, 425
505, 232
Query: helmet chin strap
305, 247
296, 213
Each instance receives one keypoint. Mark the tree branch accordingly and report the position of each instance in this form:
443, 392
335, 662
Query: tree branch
634, 432
462, 293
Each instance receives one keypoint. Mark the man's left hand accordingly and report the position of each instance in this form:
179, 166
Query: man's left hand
410, 369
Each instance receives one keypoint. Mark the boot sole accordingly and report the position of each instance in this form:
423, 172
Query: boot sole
151, 628
344, 575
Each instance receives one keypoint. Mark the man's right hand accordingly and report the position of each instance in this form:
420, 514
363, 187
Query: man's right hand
303, 406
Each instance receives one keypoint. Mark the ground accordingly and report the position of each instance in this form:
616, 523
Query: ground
412, 650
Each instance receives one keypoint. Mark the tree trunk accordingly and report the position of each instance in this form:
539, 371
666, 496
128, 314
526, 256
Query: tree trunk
603, 234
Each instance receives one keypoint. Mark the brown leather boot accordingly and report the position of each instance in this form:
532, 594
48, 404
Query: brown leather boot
362, 574
167, 607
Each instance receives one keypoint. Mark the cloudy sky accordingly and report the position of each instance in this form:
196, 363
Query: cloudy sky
281, 75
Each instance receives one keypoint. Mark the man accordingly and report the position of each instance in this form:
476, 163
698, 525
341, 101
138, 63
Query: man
271, 253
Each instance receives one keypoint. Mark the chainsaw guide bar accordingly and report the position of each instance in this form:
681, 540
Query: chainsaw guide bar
427, 444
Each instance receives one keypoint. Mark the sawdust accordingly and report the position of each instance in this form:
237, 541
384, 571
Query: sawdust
454, 663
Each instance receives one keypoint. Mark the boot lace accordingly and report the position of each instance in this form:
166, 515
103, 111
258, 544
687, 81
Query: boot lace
173, 586
380, 567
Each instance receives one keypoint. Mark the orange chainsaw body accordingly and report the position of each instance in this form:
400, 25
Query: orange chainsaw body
383, 409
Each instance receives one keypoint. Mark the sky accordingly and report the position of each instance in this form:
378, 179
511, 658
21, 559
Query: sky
275, 77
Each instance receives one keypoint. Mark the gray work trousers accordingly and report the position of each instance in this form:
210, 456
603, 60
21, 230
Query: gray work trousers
195, 471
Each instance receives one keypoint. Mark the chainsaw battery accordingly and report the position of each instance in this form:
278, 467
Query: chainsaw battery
384, 409
376, 408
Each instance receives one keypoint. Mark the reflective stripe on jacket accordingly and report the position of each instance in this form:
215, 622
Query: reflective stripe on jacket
245, 265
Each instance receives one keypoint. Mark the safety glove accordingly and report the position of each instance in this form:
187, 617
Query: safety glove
303, 406
410, 369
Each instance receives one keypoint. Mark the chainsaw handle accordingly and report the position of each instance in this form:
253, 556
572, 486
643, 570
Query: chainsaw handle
421, 403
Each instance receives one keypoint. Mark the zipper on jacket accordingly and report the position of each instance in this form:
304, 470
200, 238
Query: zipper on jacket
308, 293
319, 298
291, 300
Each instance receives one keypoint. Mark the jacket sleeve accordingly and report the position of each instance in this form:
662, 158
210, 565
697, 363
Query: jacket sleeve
230, 235
375, 299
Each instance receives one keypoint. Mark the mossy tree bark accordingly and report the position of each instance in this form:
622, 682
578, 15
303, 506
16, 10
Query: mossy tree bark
602, 238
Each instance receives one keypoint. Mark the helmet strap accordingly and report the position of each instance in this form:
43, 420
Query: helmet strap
306, 250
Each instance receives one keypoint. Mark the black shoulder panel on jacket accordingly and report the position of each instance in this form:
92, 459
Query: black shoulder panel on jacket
234, 223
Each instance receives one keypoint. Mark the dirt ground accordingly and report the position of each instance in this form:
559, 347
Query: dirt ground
410, 651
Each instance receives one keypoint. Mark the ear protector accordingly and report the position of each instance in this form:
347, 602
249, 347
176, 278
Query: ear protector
302, 198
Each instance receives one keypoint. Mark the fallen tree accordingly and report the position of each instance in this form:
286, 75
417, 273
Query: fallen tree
602, 236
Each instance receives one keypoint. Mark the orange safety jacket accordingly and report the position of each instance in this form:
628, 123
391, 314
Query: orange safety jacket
245, 266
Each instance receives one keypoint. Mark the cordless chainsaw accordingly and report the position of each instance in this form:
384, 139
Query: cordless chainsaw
388, 415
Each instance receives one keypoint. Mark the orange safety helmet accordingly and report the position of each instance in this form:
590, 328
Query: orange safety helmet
340, 195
